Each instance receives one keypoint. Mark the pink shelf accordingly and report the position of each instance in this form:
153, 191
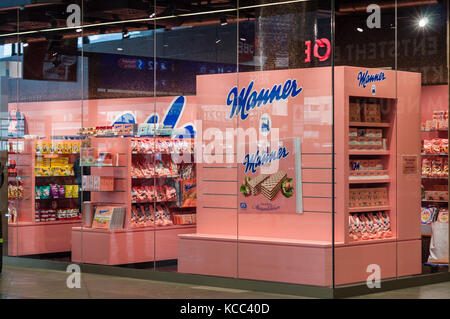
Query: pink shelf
125, 230
369, 124
369, 152
369, 181
371, 241
57, 222
368, 209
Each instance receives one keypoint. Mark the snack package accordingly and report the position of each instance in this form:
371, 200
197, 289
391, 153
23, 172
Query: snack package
45, 192
426, 215
74, 191
427, 146
62, 191
39, 147
436, 167
68, 191
54, 190
442, 216
67, 148
436, 146
444, 145
426, 167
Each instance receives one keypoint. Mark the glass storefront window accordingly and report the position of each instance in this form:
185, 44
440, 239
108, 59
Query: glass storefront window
290, 142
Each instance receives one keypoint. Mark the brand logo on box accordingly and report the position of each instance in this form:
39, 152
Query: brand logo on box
252, 162
243, 205
249, 99
366, 78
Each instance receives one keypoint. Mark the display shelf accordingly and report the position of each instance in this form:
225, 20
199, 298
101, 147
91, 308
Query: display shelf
440, 154
369, 152
56, 222
152, 202
369, 180
434, 130
369, 124
154, 177
434, 201
368, 209
431, 177
40, 176
372, 241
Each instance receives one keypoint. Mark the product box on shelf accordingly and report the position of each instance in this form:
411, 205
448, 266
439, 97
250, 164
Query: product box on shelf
355, 112
371, 112
364, 197
109, 217
97, 183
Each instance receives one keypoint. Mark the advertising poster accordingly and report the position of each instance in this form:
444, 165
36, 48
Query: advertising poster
269, 177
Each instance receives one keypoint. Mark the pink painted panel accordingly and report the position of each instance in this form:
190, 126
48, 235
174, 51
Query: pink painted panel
167, 241
207, 257
290, 226
216, 200
291, 264
317, 190
39, 239
408, 143
316, 161
409, 256
317, 175
216, 221
351, 262
317, 204
226, 174
212, 185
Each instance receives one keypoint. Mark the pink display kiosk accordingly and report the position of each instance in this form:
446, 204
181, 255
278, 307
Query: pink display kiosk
286, 245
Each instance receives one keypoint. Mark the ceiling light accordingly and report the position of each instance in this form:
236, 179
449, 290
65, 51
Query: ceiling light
218, 41
25, 44
125, 33
223, 21
359, 29
243, 39
79, 30
152, 15
423, 22
119, 49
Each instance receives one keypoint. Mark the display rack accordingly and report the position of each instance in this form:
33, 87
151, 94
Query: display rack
248, 242
27, 234
130, 244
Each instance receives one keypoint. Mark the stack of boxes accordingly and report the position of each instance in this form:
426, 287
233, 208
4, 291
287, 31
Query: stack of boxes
371, 112
438, 122
361, 169
366, 139
367, 197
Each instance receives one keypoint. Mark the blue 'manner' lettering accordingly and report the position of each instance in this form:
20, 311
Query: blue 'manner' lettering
252, 162
366, 78
248, 99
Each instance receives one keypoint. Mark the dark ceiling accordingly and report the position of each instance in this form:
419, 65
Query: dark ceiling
48, 14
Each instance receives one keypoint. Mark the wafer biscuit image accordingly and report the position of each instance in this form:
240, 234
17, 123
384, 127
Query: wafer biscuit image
255, 183
272, 185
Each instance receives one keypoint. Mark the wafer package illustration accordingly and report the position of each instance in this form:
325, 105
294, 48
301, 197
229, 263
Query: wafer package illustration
255, 183
272, 186
270, 178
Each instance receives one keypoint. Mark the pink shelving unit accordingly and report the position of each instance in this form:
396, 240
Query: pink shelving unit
127, 245
297, 248
25, 235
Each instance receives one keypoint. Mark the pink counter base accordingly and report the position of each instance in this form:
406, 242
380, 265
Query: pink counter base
305, 263
104, 247
40, 238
